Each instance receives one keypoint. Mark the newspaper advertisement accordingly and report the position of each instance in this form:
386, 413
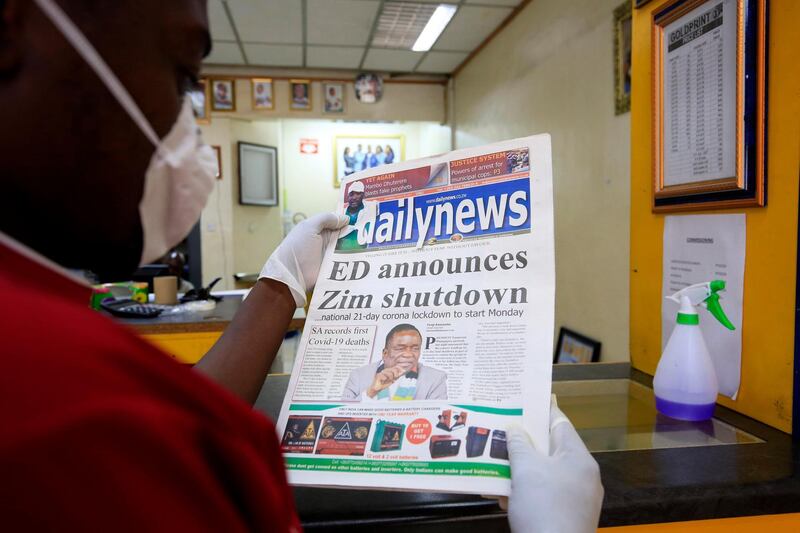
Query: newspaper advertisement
430, 329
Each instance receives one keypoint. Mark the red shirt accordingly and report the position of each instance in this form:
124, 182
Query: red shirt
100, 431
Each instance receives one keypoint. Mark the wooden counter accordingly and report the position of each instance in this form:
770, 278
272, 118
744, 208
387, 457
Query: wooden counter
188, 336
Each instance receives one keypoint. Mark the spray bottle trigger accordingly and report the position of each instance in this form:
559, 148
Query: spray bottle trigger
713, 306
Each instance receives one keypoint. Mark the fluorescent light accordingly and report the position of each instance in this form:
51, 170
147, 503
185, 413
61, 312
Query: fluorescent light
434, 28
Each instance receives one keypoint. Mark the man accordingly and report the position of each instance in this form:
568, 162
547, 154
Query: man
359, 214
398, 375
360, 158
100, 431
222, 98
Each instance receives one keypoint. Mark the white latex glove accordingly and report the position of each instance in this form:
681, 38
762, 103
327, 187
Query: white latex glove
297, 259
561, 493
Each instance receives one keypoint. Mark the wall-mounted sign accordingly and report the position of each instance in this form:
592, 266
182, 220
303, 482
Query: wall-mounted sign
709, 121
369, 88
309, 146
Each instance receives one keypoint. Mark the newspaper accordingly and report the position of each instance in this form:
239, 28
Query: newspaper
430, 330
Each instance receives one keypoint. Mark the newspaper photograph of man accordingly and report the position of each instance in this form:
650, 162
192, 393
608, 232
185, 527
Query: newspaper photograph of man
361, 213
398, 375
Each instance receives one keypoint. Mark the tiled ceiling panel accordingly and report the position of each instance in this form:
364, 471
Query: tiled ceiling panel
470, 26
380, 59
225, 54
400, 23
507, 3
268, 21
279, 55
340, 22
374, 35
221, 29
441, 62
333, 57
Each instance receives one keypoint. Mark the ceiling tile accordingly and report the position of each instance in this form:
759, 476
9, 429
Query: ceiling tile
441, 62
223, 53
333, 57
508, 3
391, 60
268, 21
218, 21
274, 55
340, 21
470, 26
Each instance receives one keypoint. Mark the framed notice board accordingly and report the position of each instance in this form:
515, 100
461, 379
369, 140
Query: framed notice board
709, 104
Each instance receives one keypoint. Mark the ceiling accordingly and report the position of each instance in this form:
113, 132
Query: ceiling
341, 34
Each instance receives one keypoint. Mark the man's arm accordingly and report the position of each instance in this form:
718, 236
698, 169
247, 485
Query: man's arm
439, 390
241, 358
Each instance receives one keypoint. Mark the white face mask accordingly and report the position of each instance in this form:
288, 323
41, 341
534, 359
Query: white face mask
181, 172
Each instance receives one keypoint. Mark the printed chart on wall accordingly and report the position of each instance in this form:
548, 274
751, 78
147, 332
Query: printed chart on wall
430, 330
700, 95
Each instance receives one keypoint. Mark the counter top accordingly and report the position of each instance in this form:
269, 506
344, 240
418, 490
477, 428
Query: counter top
215, 320
641, 486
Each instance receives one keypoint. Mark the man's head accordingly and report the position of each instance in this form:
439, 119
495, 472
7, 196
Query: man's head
355, 196
74, 168
299, 90
403, 347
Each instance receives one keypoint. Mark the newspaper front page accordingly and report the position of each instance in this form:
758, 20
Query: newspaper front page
430, 329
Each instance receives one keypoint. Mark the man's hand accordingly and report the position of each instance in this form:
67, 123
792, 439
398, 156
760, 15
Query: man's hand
561, 492
296, 262
385, 378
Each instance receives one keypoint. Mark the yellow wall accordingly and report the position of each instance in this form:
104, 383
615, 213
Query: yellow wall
769, 285
551, 70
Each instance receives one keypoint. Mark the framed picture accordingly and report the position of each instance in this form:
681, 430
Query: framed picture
218, 154
258, 174
353, 153
334, 97
300, 95
262, 93
622, 59
200, 102
573, 347
369, 88
223, 94
709, 121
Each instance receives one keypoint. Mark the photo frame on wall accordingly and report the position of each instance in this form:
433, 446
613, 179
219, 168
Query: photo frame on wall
223, 94
622, 58
262, 95
300, 95
709, 103
333, 94
354, 153
572, 347
258, 174
201, 105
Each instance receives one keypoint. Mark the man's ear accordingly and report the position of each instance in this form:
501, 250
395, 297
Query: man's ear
12, 23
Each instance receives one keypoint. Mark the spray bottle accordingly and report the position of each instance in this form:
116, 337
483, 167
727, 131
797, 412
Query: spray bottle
685, 383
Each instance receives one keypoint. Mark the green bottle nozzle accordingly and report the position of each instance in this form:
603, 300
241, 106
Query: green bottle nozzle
713, 305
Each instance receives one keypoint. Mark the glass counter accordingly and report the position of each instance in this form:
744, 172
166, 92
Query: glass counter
620, 414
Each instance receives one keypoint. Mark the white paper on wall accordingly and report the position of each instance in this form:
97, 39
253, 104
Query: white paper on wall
700, 248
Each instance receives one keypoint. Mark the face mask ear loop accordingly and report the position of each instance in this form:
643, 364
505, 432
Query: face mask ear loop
85, 49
